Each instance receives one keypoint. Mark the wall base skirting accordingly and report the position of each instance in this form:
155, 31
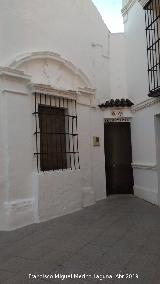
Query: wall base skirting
88, 196
17, 214
3, 220
19, 204
146, 194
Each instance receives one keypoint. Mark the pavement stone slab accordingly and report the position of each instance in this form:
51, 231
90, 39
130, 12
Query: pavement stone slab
119, 234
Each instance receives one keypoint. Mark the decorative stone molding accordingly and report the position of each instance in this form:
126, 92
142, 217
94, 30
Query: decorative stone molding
143, 2
49, 90
87, 91
144, 104
70, 94
127, 7
11, 72
117, 114
144, 166
7, 91
13, 81
53, 56
123, 119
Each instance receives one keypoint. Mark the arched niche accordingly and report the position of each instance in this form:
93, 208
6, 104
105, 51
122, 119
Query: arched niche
48, 68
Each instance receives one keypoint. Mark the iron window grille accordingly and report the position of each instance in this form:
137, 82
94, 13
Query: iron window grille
152, 20
56, 136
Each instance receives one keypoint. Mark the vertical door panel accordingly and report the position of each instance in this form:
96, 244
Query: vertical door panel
118, 158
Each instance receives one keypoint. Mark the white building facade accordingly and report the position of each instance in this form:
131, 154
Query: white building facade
56, 58
141, 29
66, 85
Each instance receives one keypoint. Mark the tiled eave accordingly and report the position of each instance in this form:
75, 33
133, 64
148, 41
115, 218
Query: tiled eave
116, 103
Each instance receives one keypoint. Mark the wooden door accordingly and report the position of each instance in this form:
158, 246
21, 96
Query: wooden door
118, 158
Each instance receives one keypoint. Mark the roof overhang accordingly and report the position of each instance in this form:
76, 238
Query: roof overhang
118, 103
144, 2
129, 3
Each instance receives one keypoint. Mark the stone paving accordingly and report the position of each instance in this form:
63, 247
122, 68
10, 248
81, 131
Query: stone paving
117, 236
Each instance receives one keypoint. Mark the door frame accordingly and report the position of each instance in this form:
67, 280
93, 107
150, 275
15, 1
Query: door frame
119, 120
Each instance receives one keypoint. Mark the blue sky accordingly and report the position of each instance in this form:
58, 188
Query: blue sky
111, 13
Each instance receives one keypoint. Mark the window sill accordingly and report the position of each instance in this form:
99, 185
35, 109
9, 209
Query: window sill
55, 172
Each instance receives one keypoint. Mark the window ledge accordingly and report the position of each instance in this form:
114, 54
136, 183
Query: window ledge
154, 93
56, 172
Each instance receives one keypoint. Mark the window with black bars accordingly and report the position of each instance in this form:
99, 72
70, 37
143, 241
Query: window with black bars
152, 19
56, 136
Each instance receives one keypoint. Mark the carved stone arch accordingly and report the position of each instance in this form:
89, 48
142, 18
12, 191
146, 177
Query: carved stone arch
50, 68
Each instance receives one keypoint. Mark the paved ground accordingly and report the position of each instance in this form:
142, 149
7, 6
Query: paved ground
117, 235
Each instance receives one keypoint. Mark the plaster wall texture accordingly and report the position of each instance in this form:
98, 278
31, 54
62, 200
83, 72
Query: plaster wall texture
145, 147
27, 196
65, 46
59, 193
97, 154
118, 83
144, 132
3, 151
136, 54
19, 144
71, 28
157, 130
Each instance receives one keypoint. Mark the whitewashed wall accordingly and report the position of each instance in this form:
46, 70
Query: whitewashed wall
144, 154
118, 81
144, 131
63, 44
72, 28
136, 53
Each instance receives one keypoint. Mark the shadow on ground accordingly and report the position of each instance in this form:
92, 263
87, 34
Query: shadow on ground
117, 237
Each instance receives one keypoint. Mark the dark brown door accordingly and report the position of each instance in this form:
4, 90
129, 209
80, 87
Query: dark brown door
118, 158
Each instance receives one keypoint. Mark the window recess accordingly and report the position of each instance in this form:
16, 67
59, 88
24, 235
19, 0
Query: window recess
152, 20
56, 137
